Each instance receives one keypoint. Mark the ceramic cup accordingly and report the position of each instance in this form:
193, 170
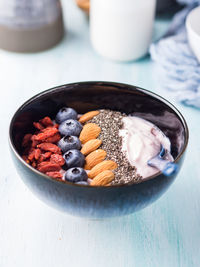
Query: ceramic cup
193, 31
121, 29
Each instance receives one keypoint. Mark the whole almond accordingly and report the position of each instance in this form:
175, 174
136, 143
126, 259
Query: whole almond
88, 116
90, 146
102, 166
103, 178
94, 158
89, 131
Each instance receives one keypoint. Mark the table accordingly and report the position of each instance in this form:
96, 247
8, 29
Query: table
32, 234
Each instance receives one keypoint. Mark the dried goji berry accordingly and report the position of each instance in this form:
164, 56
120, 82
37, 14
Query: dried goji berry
46, 133
37, 153
56, 158
26, 140
47, 154
55, 174
34, 141
50, 147
48, 167
44, 156
34, 164
46, 121
31, 154
53, 139
38, 125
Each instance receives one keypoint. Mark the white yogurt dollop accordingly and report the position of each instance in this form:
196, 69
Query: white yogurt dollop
141, 141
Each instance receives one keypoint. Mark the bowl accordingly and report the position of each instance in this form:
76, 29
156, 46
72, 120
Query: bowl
88, 201
193, 31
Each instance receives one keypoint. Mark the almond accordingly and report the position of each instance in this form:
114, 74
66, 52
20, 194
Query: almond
90, 131
90, 146
94, 158
103, 178
102, 166
88, 116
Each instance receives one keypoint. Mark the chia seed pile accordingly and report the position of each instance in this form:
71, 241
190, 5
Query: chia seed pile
110, 122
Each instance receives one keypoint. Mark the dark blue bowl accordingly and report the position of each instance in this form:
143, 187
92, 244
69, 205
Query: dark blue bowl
98, 202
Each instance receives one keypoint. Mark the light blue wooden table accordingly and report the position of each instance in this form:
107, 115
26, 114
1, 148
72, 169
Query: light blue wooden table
32, 234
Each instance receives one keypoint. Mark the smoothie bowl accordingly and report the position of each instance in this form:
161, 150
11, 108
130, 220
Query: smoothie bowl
84, 148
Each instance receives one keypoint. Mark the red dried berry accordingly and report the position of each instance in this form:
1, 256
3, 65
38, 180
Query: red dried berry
31, 154
47, 154
55, 174
53, 139
46, 133
37, 153
38, 125
46, 121
34, 164
34, 142
48, 167
56, 158
50, 147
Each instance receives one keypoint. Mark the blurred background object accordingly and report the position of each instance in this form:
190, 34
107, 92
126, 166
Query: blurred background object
162, 5
84, 5
121, 29
30, 26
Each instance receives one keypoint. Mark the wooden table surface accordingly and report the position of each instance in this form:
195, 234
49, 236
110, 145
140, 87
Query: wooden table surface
32, 234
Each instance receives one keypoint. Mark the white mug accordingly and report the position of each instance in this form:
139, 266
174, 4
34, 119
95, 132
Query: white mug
122, 29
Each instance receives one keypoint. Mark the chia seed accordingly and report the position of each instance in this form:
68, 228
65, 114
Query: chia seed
110, 123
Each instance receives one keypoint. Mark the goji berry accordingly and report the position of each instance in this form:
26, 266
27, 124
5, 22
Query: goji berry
31, 154
37, 153
56, 158
46, 121
46, 133
47, 154
53, 139
48, 167
34, 141
34, 164
55, 174
50, 147
38, 125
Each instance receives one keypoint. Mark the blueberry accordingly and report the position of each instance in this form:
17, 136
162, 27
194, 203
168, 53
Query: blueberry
66, 114
74, 158
75, 175
70, 127
69, 142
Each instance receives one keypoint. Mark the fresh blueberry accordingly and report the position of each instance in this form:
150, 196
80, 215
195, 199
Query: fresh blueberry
70, 127
75, 175
66, 114
74, 158
69, 142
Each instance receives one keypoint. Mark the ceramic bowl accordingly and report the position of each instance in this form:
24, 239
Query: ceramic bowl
193, 31
88, 201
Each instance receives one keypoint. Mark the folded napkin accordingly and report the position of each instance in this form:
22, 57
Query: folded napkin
180, 70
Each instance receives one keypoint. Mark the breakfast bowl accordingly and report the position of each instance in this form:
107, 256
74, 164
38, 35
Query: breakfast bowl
98, 201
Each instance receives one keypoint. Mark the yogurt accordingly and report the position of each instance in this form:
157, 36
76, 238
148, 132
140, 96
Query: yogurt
141, 141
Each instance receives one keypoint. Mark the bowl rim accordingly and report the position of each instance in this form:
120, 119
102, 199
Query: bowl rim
122, 87
188, 24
